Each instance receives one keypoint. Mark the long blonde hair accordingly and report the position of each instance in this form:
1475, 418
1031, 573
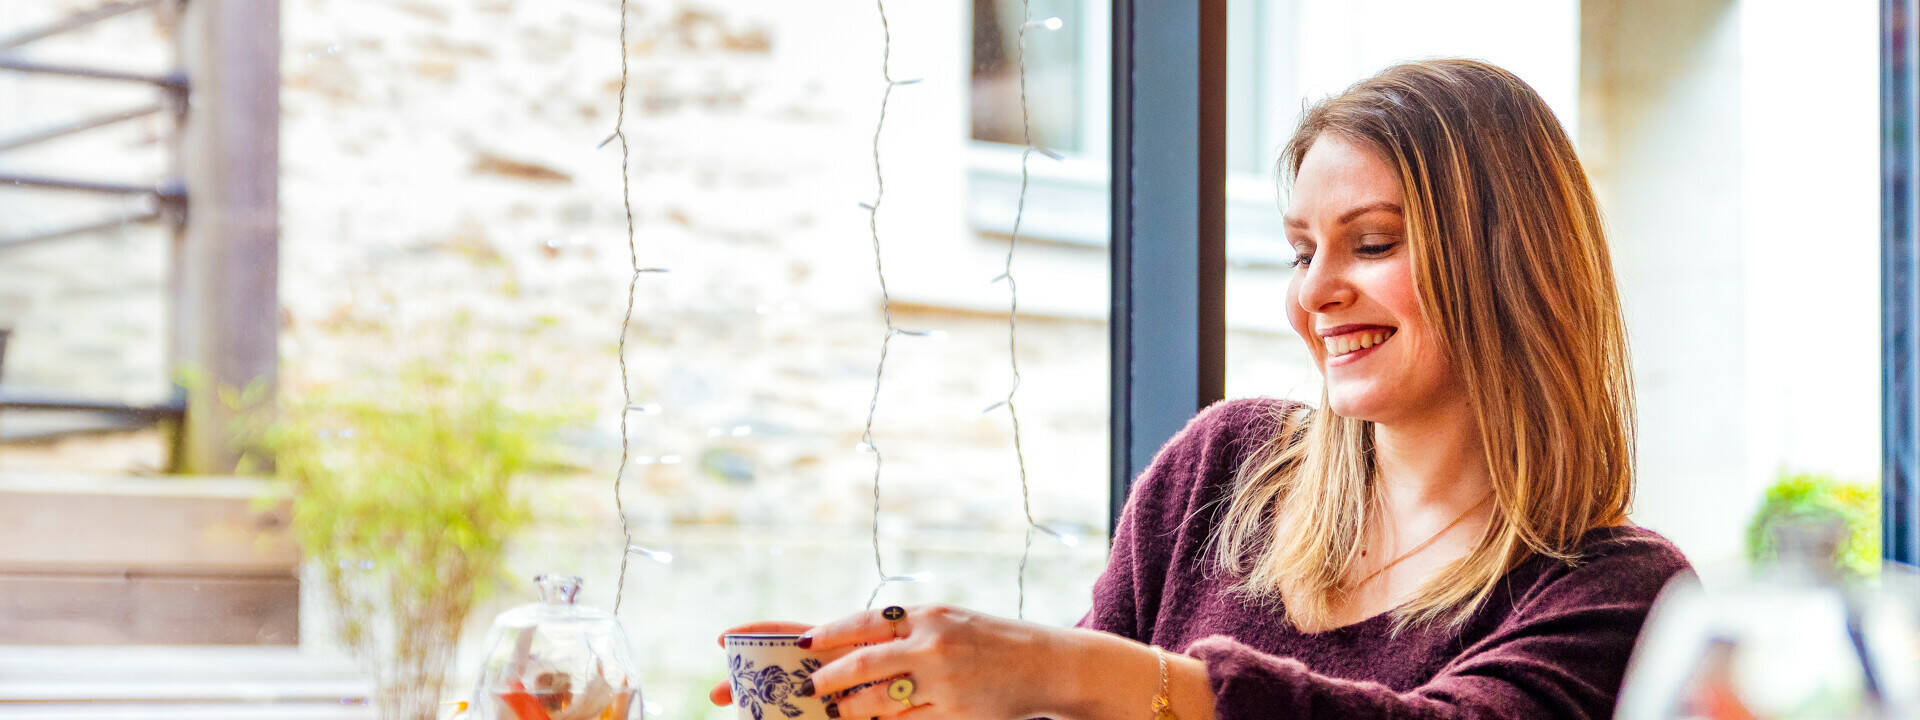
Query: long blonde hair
1512, 269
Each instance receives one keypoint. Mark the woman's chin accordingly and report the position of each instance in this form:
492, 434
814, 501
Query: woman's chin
1360, 403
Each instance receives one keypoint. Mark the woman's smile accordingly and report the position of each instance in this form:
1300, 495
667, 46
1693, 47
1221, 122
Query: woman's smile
1349, 343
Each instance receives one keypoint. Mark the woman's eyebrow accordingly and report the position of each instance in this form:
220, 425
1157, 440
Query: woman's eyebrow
1350, 214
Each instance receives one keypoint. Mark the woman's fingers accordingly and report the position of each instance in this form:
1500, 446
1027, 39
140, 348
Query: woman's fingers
764, 626
870, 626
721, 694
867, 664
879, 702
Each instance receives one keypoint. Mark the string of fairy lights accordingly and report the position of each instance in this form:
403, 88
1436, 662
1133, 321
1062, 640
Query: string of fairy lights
1013, 304
628, 406
886, 301
891, 330
1013, 300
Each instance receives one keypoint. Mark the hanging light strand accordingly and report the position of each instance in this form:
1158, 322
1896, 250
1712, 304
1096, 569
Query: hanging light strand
627, 406
1013, 301
886, 300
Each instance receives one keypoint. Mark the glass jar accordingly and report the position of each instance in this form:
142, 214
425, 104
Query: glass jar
554, 660
1795, 640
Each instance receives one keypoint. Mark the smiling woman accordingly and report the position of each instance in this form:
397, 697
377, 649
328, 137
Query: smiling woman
1441, 203
1452, 285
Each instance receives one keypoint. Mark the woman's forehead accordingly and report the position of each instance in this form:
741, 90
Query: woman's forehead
1338, 175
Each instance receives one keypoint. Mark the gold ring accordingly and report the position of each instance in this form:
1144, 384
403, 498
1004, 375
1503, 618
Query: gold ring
902, 690
894, 614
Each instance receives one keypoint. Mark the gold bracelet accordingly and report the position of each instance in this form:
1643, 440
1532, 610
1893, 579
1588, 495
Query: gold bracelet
1163, 703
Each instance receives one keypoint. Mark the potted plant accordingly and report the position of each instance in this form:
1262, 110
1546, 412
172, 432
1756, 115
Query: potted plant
402, 505
1802, 497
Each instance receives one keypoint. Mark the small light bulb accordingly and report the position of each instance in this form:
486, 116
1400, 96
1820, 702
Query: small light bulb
660, 556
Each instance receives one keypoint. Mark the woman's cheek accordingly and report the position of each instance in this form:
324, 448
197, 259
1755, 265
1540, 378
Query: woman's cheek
1302, 325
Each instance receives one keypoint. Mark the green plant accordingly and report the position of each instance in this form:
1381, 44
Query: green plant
1800, 497
402, 504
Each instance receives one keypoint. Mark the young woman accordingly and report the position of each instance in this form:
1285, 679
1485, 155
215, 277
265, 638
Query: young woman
1444, 537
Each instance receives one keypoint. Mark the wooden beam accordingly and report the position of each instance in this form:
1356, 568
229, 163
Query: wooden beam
140, 609
226, 259
140, 560
83, 523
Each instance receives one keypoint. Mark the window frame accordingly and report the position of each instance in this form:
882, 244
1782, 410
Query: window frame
1899, 273
1168, 320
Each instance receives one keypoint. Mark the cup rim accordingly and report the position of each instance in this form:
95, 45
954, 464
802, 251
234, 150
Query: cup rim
763, 636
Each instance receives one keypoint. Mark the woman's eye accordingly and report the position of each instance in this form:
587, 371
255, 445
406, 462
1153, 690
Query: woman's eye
1300, 260
1375, 250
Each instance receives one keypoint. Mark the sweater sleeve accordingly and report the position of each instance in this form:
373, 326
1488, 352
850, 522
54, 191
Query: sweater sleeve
1127, 595
1561, 653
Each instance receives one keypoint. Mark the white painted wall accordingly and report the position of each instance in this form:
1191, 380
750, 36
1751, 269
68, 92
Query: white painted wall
1733, 146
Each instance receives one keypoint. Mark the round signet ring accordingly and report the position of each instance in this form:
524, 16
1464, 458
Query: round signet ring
894, 614
902, 690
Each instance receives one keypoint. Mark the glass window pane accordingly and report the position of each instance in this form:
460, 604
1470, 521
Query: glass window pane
445, 196
1057, 72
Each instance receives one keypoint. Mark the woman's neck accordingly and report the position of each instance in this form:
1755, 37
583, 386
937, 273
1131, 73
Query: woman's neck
1429, 467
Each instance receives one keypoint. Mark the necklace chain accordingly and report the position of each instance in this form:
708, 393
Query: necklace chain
1423, 544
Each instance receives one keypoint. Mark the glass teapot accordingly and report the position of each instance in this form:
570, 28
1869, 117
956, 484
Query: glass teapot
554, 660
1793, 641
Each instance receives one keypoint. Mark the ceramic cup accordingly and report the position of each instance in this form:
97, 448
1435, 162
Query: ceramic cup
766, 670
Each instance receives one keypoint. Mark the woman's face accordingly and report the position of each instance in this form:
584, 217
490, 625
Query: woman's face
1352, 297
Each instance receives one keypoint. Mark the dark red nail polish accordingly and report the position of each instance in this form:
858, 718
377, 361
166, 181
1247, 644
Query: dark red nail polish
806, 688
805, 641
833, 710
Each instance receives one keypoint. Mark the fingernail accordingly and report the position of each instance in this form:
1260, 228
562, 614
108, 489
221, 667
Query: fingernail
833, 710
806, 688
805, 641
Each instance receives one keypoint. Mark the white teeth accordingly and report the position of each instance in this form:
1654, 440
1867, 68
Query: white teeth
1350, 342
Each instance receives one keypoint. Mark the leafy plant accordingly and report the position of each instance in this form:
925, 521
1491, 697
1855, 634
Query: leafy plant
1802, 497
401, 501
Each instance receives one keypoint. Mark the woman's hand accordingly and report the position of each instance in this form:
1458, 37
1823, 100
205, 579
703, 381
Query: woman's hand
722, 694
962, 664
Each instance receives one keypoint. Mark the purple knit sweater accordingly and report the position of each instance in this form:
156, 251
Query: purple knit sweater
1552, 641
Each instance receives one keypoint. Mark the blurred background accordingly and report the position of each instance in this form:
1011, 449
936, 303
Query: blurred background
414, 223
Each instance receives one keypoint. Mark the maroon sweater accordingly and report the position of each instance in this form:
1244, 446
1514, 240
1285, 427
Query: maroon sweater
1552, 641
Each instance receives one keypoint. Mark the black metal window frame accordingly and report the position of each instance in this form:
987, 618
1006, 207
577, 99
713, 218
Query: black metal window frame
1169, 163
1899, 294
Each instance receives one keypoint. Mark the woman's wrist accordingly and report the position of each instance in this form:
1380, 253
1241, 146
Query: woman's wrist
1102, 675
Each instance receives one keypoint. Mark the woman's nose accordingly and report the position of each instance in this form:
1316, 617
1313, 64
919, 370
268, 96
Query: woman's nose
1324, 287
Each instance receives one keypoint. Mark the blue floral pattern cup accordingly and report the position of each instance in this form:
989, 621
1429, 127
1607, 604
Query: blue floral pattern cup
766, 671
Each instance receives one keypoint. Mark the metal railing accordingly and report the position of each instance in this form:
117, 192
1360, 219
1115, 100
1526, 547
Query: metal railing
167, 200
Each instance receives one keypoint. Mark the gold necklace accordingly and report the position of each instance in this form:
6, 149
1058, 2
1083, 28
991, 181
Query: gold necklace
1423, 544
